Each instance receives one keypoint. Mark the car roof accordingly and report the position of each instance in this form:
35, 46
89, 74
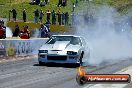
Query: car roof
67, 35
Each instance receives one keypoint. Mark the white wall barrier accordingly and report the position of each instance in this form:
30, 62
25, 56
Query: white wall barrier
21, 47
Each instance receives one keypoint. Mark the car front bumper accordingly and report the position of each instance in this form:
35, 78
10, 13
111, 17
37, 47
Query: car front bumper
58, 58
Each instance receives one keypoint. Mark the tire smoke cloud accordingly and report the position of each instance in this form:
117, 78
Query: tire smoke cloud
8, 32
107, 33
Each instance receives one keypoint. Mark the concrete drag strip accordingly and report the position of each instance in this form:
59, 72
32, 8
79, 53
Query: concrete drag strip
28, 74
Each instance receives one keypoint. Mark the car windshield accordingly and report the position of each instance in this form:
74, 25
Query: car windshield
73, 40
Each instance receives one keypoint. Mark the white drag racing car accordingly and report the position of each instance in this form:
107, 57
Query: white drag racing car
62, 49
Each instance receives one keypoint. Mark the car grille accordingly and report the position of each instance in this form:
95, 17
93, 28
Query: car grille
43, 56
56, 57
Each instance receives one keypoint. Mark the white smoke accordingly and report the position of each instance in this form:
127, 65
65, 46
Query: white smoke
36, 33
8, 32
107, 41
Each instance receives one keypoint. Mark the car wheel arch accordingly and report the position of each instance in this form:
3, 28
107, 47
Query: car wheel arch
81, 57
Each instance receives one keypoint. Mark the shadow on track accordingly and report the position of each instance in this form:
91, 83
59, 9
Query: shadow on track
58, 65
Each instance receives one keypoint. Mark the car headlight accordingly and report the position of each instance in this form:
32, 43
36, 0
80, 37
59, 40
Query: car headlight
43, 51
71, 53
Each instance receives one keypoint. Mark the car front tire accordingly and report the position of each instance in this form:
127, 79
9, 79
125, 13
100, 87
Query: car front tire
41, 63
80, 60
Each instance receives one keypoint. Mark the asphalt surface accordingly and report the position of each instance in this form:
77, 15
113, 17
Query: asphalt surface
28, 74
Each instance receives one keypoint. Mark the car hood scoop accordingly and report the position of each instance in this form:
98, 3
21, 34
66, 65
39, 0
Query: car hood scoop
60, 45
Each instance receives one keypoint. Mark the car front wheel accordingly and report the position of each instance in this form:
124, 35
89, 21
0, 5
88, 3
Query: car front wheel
41, 63
81, 58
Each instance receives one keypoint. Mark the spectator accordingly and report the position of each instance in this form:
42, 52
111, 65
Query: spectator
66, 18
76, 2
73, 18
64, 2
25, 30
42, 3
24, 15
63, 18
48, 16
36, 15
24, 33
47, 24
2, 24
14, 14
73, 7
32, 2
46, 1
59, 3
59, 17
44, 32
17, 30
1, 27
2, 32
37, 2
41, 16
47, 31
53, 17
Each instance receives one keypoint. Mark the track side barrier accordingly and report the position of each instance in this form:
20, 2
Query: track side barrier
21, 46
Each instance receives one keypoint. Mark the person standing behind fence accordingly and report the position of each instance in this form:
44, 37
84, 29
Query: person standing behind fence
14, 14
53, 17
36, 15
41, 14
24, 15
59, 17
48, 16
66, 18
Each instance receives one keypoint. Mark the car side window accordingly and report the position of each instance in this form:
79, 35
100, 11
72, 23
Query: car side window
76, 41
